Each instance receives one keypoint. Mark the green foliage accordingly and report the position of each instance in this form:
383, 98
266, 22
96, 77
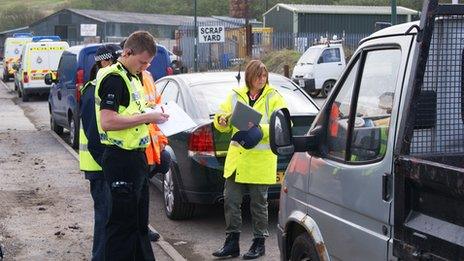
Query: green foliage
276, 60
18, 16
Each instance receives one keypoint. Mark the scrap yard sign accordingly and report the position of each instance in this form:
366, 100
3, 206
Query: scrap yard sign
211, 34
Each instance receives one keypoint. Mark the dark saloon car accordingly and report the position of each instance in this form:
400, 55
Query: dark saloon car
195, 176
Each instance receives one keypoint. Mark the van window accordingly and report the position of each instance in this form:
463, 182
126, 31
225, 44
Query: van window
374, 106
309, 56
339, 116
331, 55
67, 67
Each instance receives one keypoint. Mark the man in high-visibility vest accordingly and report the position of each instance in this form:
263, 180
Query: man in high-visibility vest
91, 150
122, 121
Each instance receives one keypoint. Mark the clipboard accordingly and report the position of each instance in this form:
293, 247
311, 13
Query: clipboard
243, 114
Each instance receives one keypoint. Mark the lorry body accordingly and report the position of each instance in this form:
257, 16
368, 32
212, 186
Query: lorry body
380, 173
319, 67
13, 48
37, 59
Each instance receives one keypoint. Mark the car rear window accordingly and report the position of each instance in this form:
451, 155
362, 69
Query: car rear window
212, 94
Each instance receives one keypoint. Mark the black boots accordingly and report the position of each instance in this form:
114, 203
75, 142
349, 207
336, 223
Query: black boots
153, 235
231, 246
257, 249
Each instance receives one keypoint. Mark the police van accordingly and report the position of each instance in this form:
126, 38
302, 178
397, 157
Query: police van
39, 57
13, 47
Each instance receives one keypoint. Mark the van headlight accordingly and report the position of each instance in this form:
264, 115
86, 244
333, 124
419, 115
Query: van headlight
308, 76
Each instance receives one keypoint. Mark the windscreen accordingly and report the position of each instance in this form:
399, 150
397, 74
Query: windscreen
310, 56
212, 94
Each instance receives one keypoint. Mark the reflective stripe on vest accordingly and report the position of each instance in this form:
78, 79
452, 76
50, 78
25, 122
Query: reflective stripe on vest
86, 161
131, 138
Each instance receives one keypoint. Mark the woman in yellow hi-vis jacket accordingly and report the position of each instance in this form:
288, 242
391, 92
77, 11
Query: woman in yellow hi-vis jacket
250, 163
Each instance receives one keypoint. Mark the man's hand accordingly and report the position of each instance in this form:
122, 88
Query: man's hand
157, 117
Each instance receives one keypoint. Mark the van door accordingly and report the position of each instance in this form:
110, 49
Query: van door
66, 74
329, 66
346, 194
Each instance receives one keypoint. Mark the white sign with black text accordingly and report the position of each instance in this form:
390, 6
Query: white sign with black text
88, 30
211, 34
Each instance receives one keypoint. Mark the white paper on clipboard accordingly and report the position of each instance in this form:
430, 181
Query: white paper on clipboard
178, 121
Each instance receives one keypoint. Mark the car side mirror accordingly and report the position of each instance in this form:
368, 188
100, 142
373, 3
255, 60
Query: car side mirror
281, 138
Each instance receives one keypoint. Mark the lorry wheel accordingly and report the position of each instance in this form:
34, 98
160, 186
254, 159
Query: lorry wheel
303, 249
73, 133
174, 207
315, 93
326, 88
55, 127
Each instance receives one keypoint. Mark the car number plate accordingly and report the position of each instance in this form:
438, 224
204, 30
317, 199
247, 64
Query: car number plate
302, 83
37, 77
280, 177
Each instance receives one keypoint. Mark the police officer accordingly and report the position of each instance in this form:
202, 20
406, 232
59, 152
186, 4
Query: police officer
91, 150
250, 164
122, 125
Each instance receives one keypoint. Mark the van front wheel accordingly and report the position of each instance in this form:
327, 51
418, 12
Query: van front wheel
327, 88
303, 249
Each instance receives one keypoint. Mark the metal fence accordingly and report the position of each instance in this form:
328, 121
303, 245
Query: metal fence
221, 56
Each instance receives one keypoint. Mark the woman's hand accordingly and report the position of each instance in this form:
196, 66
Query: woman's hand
223, 120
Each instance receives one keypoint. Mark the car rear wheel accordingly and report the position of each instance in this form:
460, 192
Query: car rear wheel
303, 249
73, 133
55, 127
326, 88
174, 206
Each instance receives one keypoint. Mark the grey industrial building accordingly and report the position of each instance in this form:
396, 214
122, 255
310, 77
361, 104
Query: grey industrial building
111, 25
297, 18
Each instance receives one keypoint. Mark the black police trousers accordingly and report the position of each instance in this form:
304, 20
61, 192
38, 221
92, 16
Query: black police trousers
127, 229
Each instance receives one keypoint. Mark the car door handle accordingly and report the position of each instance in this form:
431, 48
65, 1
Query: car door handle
386, 186
340, 64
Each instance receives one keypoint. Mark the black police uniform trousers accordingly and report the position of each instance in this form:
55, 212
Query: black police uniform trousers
126, 172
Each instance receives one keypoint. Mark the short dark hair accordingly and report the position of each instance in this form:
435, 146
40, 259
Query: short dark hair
141, 41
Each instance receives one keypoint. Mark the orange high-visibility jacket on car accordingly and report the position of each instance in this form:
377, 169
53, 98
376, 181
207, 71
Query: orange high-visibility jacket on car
157, 139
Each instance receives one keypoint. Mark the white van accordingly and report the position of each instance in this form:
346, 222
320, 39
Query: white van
38, 58
13, 47
319, 67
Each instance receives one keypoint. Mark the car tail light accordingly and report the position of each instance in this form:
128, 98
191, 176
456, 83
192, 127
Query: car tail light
25, 77
79, 83
201, 141
169, 70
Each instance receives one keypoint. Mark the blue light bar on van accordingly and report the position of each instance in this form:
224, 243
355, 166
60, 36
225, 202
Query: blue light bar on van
22, 35
46, 38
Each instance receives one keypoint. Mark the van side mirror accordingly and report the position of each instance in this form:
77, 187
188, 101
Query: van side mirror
281, 138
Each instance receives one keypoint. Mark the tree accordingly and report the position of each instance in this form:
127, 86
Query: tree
19, 16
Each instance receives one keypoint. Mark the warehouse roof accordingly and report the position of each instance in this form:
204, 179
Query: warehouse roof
344, 9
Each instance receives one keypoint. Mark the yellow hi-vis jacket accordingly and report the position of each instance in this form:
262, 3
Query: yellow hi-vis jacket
257, 165
131, 138
86, 161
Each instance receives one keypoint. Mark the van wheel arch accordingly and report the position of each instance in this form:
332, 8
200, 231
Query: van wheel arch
297, 234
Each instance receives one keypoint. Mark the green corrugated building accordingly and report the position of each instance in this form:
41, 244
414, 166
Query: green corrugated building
297, 18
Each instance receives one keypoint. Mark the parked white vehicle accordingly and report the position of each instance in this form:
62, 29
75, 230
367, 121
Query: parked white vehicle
319, 67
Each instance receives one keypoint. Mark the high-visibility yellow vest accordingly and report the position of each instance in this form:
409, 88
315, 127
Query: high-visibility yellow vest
257, 165
86, 161
131, 138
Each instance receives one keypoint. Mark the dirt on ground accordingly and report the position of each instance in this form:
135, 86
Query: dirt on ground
46, 212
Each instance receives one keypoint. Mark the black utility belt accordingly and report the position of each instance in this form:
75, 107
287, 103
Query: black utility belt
114, 147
